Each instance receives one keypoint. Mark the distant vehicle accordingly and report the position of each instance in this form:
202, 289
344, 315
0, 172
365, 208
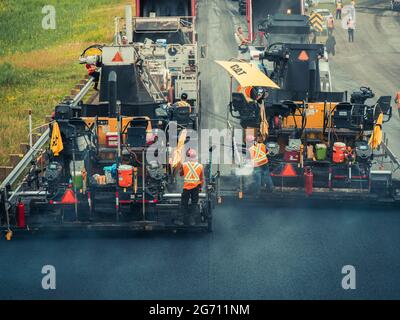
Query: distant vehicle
395, 5
157, 8
316, 2
258, 10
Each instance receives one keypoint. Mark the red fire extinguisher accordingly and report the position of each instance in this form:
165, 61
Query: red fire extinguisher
21, 214
308, 180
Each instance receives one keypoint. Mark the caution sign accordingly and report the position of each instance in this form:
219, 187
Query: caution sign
317, 21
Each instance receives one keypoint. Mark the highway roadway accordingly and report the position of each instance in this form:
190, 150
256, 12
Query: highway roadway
255, 251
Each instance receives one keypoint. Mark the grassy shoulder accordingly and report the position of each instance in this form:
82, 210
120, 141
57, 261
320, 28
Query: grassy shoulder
38, 67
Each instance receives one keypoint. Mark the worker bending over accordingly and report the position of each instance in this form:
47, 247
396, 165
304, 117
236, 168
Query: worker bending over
259, 159
193, 174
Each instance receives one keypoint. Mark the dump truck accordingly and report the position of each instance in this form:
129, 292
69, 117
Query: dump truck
258, 10
178, 8
112, 163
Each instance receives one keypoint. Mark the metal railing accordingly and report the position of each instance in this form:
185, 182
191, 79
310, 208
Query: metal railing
151, 86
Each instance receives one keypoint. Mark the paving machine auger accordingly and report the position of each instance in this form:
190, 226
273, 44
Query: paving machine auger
110, 163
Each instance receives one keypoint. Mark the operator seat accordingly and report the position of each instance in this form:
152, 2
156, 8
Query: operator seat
181, 115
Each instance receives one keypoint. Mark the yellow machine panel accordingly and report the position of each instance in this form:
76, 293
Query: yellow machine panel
314, 115
106, 125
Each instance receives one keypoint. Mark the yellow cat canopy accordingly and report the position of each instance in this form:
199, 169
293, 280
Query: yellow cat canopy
247, 75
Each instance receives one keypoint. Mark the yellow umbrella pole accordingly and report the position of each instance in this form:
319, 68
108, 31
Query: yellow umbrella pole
230, 102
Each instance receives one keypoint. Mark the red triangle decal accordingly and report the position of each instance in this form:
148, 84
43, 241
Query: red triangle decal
68, 197
118, 57
288, 171
303, 56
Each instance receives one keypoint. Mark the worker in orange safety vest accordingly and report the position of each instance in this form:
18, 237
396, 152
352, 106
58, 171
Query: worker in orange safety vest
246, 91
397, 101
193, 174
259, 159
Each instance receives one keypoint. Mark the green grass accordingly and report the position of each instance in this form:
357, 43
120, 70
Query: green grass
30, 90
39, 67
21, 23
10, 76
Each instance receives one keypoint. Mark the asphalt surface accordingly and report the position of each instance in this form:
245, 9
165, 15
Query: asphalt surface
373, 60
255, 252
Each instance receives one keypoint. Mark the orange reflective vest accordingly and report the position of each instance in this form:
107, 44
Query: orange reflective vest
192, 173
91, 69
258, 155
246, 91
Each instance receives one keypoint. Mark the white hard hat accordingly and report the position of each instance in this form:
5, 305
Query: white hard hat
191, 153
250, 138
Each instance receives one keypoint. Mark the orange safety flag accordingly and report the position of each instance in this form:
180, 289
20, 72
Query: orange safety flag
258, 155
177, 158
288, 171
193, 175
56, 144
264, 127
376, 137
